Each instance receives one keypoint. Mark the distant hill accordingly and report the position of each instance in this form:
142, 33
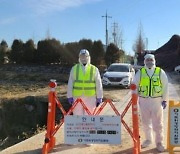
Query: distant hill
168, 56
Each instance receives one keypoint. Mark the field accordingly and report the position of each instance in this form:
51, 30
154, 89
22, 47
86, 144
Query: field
24, 96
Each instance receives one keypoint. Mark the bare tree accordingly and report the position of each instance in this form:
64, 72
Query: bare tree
139, 44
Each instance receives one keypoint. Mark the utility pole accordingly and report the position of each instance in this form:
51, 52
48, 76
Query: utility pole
48, 36
106, 16
121, 43
146, 43
115, 26
158, 44
117, 36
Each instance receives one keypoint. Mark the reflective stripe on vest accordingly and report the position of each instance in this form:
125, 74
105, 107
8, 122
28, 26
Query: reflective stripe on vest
84, 83
150, 87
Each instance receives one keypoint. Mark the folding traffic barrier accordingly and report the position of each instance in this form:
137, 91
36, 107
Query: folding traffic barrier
49, 141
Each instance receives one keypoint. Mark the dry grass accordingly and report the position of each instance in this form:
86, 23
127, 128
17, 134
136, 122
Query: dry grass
15, 87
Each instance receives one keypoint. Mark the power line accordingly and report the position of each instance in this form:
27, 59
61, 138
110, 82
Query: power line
106, 17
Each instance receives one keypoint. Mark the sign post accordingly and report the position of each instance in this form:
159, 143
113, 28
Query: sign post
173, 126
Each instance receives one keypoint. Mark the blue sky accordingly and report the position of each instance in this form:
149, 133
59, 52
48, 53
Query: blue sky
72, 20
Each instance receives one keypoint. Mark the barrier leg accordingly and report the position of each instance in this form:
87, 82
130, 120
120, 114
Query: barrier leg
49, 141
135, 121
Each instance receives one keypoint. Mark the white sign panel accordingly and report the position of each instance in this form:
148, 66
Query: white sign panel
175, 126
89, 129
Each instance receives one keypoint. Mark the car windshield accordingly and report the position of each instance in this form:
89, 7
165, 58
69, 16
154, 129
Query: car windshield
118, 68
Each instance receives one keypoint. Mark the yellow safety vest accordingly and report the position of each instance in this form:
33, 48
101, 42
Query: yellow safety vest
84, 83
150, 86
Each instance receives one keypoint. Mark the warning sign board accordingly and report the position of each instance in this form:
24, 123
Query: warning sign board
89, 129
175, 126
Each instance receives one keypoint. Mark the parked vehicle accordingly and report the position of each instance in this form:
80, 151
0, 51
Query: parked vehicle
118, 74
137, 67
177, 69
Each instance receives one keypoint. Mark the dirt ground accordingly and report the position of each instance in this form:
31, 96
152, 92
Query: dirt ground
120, 97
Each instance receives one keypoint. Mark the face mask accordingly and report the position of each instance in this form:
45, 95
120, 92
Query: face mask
84, 59
150, 64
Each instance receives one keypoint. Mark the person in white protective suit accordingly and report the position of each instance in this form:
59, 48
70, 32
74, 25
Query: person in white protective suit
84, 83
152, 89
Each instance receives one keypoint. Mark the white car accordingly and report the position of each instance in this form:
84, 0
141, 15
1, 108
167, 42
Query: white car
177, 69
118, 74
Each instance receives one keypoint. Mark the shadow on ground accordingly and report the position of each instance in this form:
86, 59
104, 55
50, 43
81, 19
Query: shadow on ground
62, 147
35, 151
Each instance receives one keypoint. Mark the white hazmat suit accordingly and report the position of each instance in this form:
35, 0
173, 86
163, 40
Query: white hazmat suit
90, 101
151, 108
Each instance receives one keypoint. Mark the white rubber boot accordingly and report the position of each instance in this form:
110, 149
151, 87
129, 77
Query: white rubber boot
160, 147
146, 143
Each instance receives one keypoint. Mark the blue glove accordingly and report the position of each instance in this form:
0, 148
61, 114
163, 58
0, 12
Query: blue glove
98, 101
70, 100
164, 104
